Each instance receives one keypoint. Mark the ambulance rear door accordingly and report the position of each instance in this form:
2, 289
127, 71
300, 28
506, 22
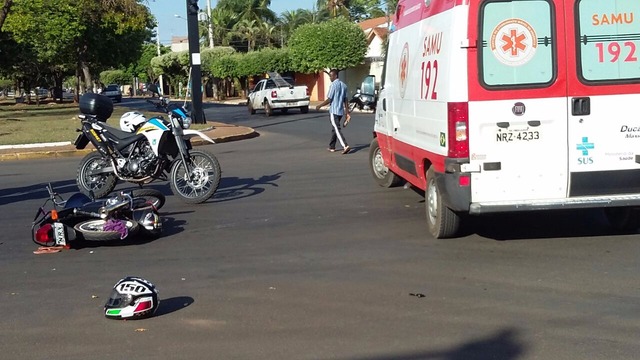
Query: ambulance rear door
518, 102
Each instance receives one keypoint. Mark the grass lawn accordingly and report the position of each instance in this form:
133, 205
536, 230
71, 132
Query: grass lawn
47, 122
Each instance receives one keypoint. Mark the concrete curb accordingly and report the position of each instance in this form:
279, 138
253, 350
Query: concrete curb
32, 154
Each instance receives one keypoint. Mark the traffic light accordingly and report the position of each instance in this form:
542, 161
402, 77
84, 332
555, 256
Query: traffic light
192, 7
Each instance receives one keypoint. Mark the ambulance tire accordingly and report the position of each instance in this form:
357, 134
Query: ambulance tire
442, 221
383, 176
623, 218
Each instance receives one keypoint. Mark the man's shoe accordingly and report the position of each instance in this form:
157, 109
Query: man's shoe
346, 150
331, 150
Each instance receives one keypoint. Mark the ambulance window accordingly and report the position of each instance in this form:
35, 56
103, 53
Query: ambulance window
609, 40
518, 44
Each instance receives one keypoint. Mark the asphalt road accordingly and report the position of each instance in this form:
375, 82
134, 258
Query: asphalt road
300, 255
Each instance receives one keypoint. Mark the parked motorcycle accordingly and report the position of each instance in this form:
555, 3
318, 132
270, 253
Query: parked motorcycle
119, 216
362, 101
157, 149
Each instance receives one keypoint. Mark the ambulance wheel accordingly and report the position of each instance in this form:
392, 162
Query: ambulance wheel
442, 221
623, 218
381, 173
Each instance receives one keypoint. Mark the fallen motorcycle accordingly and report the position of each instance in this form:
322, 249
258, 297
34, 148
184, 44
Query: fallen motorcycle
124, 214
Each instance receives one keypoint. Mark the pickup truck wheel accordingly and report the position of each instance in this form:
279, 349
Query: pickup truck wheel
250, 108
304, 109
267, 109
442, 221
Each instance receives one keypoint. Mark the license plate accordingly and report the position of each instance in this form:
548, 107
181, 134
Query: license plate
59, 235
511, 136
291, 104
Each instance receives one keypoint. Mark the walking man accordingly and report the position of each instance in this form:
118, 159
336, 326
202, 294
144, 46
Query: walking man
339, 107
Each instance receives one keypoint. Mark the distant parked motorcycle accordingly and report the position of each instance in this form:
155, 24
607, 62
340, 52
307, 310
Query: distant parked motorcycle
143, 150
362, 101
119, 216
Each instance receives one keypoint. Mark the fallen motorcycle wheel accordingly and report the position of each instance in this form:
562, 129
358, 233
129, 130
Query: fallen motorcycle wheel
92, 230
197, 186
149, 196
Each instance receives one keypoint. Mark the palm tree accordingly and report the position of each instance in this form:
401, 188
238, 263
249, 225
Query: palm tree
314, 16
249, 30
268, 33
335, 7
222, 22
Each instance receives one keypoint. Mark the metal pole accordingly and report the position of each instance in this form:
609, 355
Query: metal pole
210, 25
196, 74
158, 46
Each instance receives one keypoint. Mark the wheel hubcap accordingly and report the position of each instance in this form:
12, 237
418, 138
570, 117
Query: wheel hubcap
432, 201
378, 165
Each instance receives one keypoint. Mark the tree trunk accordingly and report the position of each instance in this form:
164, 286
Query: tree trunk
4, 11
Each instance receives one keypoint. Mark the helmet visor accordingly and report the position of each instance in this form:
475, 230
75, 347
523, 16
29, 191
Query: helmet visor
118, 300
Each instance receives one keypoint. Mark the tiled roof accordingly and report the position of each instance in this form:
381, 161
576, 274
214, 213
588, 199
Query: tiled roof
373, 23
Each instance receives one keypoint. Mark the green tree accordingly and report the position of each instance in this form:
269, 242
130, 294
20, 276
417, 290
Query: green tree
365, 9
89, 35
335, 44
114, 77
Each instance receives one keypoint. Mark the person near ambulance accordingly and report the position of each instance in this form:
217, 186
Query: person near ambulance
339, 107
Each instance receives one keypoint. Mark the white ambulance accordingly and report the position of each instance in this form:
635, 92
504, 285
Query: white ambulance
499, 106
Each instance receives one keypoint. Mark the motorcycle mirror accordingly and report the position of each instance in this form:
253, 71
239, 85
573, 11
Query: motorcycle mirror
153, 88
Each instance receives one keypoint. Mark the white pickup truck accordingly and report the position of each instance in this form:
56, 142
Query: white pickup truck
278, 93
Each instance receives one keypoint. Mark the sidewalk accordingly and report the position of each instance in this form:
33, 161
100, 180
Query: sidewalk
219, 133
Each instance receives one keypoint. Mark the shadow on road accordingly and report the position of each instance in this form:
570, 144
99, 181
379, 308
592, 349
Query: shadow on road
531, 225
167, 306
503, 345
290, 121
233, 188
36, 191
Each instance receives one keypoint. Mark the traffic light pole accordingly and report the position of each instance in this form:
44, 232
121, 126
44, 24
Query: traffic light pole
194, 57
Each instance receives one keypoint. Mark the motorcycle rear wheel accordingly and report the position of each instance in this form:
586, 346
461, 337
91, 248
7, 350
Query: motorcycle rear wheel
91, 230
198, 186
100, 185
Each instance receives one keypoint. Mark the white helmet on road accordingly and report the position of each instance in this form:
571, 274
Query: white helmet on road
131, 120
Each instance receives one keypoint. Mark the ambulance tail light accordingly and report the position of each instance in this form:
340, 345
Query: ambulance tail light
458, 126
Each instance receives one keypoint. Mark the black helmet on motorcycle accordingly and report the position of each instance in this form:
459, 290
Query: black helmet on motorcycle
132, 298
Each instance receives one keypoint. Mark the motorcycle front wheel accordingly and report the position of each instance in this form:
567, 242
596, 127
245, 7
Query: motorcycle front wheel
197, 186
92, 230
148, 196
100, 184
